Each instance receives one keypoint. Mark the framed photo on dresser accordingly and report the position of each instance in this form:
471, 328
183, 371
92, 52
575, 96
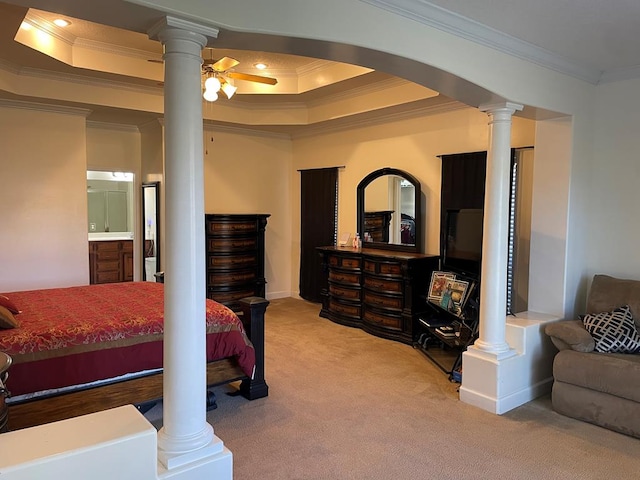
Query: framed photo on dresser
438, 285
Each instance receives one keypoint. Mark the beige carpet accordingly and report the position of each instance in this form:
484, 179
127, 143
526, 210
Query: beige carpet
344, 404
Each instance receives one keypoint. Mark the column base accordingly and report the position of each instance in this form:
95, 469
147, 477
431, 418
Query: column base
212, 461
499, 382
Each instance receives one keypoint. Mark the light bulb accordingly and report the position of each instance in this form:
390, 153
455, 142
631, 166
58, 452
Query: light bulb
229, 90
213, 84
210, 95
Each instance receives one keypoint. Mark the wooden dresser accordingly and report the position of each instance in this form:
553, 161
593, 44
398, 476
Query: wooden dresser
376, 290
376, 224
235, 257
110, 261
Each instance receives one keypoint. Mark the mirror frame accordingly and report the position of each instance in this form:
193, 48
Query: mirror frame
156, 186
417, 248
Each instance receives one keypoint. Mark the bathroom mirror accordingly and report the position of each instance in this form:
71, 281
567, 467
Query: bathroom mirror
151, 233
110, 204
389, 213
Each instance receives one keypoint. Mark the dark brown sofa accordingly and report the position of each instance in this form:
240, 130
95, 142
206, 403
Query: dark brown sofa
599, 388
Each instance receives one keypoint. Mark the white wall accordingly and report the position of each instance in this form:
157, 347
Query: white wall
43, 199
412, 145
614, 193
248, 172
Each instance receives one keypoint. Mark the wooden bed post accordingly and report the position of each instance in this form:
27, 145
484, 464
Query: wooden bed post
253, 309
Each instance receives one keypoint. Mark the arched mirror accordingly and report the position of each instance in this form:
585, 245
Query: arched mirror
389, 213
151, 233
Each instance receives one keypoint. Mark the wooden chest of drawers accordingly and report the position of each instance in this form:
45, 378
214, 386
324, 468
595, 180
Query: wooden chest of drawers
376, 290
110, 261
376, 224
235, 257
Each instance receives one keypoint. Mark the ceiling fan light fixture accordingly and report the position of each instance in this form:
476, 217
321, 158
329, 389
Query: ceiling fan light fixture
210, 95
229, 89
212, 84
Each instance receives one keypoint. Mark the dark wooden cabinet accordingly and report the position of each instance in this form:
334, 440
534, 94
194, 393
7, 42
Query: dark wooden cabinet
235, 257
110, 261
376, 290
376, 224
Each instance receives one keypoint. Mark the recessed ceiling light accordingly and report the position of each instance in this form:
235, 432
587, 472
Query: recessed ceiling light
260, 66
61, 22
25, 26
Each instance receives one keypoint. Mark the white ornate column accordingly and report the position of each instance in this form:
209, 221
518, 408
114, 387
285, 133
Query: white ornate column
493, 283
490, 365
186, 437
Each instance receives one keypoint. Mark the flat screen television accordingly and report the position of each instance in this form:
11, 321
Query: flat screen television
463, 240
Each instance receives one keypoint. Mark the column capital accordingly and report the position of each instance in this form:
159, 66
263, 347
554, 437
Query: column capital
501, 107
175, 25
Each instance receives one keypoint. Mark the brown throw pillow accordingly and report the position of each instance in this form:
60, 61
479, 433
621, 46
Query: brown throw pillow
7, 320
7, 303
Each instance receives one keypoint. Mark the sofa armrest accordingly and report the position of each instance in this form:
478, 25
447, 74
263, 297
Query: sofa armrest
570, 334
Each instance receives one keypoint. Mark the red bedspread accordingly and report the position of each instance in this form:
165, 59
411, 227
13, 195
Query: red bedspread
103, 331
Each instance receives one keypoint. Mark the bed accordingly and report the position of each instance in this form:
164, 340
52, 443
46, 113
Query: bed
82, 349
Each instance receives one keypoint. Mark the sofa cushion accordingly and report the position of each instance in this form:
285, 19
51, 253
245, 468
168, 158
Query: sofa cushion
614, 373
608, 293
570, 334
613, 332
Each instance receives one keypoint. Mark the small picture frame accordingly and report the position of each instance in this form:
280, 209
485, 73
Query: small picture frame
344, 239
438, 284
458, 290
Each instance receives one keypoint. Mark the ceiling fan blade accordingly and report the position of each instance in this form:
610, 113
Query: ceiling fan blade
225, 63
251, 78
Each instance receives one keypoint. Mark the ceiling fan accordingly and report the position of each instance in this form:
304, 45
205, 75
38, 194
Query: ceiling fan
216, 75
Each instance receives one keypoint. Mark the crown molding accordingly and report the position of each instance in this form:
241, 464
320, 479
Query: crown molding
45, 25
97, 46
90, 81
44, 107
210, 126
9, 67
619, 74
119, 127
360, 91
366, 120
455, 24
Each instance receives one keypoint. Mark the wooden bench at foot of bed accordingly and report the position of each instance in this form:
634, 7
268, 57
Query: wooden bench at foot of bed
141, 390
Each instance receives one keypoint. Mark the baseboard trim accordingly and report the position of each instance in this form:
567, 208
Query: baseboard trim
509, 402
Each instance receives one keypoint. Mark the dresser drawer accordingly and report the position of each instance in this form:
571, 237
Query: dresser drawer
344, 277
230, 227
375, 222
383, 268
383, 284
235, 261
383, 301
231, 244
227, 296
388, 321
345, 293
231, 277
353, 263
105, 246
344, 308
